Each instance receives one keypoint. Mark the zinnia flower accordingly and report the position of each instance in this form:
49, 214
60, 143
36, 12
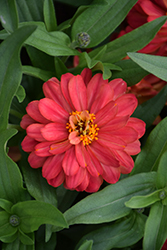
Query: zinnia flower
82, 132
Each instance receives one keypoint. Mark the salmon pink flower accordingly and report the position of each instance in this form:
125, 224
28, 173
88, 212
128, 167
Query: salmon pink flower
81, 133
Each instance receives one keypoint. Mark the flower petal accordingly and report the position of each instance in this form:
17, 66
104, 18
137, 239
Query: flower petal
106, 114
86, 75
52, 111
36, 161
103, 154
115, 124
64, 88
119, 86
58, 180
33, 111
26, 121
52, 90
78, 93
138, 125
60, 147
105, 95
126, 104
34, 131
84, 184
72, 181
42, 149
70, 163
133, 148
81, 155
94, 184
110, 174
127, 134
28, 144
52, 166
74, 138
126, 161
93, 88
112, 142
54, 132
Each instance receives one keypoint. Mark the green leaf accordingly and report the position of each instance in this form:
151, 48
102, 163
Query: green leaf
157, 65
161, 181
11, 182
100, 20
49, 15
60, 67
144, 201
8, 15
10, 70
75, 3
30, 10
38, 73
131, 73
10, 237
17, 245
132, 41
6, 230
87, 245
3, 34
37, 186
122, 233
6, 205
26, 239
55, 43
149, 110
150, 154
20, 94
108, 204
35, 213
156, 228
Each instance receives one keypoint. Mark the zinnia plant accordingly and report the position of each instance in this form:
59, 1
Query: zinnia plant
82, 132
83, 126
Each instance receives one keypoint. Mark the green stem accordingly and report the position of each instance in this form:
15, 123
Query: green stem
14, 126
15, 113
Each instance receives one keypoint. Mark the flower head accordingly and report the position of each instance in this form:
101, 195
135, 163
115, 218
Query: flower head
82, 132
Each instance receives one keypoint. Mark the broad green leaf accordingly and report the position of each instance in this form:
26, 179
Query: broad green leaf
87, 245
11, 182
38, 73
144, 201
36, 185
152, 151
17, 245
33, 214
132, 41
3, 34
149, 110
8, 15
55, 43
10, 237
6, 205
100, 20
10, 70
108, 204
20, 94
157, 65
60, 67
5, 228
131, 73
43, 245
25, 239
122, 233
161, 181
30, 10
49, 15
156, 227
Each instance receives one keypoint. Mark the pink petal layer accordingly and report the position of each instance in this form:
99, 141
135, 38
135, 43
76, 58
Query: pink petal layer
52, 111
86, 75
64, 88
93, 88
58, 180
28, 144
115, 124
127, 134
52, 166
52, 90
94, 184
138, 125
73, 181
70, 163
78, 93
119, 87
33, 111
105, 95
84, 184
74, 138
55, 132
110, 174
110, 141
126, 104
26, 121
133, 148
42, 149
126, 161
36, 161
34, 131
81, 155
60, 147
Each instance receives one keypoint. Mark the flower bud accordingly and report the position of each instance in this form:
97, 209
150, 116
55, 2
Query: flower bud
14, 220
83, 39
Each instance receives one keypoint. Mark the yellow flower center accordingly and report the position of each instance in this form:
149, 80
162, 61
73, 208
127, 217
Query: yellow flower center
83, 124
